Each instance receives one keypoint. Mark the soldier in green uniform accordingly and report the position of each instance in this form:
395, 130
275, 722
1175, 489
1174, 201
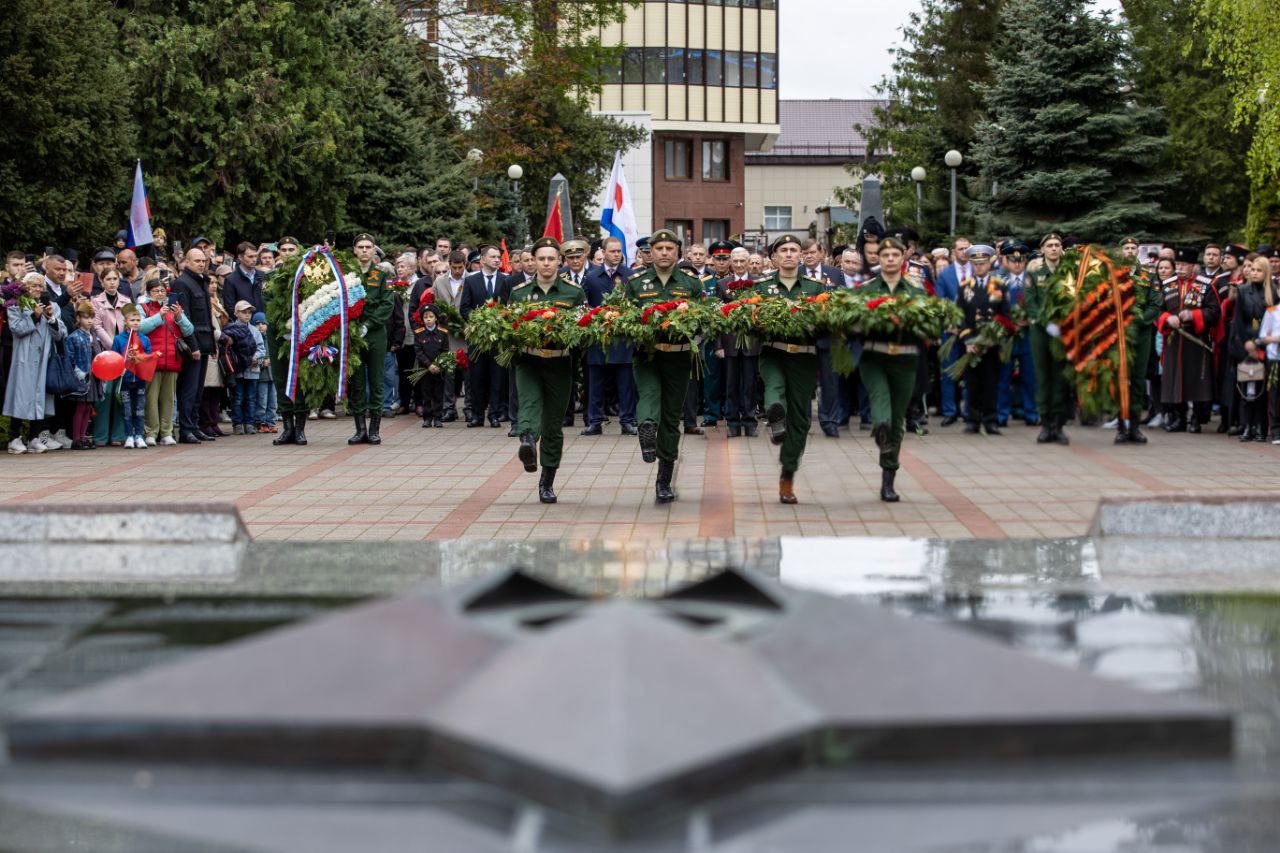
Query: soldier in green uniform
662, 377
888, 367
1052, 392
1147, 306
293, 413
379, 301
544, 377
789, 367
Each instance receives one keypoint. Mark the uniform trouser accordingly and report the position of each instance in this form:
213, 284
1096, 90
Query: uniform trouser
890, 381
982, 380
789, 379
739, 387
831, 410
948, 387
160, 397
1021, 356
1052, 393
431, 391
370, 371
1138, 356
917, 413
712, 382
279, 371
662, 382
544, 385
109, 422
596, 376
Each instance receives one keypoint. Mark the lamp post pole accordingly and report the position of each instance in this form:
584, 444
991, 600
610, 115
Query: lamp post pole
515, 172
918, 175
953, 159
475, 156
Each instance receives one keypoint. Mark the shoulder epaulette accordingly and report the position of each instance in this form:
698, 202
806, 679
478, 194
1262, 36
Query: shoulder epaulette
419, 330
812, 279
572, 283
638, 274
1204, 279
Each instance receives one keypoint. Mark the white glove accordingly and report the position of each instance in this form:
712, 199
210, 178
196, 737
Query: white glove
1053, 331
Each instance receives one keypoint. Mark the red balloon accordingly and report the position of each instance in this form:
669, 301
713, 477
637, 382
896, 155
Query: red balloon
108, 365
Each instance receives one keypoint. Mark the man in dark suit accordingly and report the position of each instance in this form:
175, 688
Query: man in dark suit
244, 282
615, 364
485, 378
741, 365
191, 291
829, 408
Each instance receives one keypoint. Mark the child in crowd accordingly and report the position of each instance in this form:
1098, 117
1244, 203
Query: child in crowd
265, 412
82, 345
133, 389
429, 342
246, 350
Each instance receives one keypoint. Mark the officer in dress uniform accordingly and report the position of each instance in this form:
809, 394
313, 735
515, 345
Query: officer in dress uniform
982, 298
544, 376
379, 302
1190, 309
576, 267
741, 365
887, 367
1052, 391
788, 367
713, 384
662, 377
1146, 307
1013, 257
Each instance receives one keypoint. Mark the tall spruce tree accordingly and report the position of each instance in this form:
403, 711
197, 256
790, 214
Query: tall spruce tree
1064, 148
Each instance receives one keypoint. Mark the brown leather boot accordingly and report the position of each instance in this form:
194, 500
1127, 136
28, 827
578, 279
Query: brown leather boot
786, 489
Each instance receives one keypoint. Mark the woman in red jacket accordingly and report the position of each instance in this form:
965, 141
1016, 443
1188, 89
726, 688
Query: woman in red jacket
167, 328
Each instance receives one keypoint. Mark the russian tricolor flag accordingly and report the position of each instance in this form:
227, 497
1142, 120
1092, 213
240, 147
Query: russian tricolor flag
617, 214
139, 231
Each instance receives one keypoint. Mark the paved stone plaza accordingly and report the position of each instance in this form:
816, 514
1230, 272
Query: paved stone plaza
466, 483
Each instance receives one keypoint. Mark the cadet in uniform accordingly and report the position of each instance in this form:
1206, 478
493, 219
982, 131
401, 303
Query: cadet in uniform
982, 298
1052, 392
1146, 308
888, 367
544, 377
788, 367
662, 377
379, 302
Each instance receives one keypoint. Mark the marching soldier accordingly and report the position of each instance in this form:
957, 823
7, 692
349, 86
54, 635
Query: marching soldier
379, 302
982, 298
1052, 391
662, 377
788, 367
1146, 307
1190, 310
888, 367
544, 377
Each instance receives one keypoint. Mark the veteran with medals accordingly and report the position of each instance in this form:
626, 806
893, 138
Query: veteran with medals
1189, 312
544, 377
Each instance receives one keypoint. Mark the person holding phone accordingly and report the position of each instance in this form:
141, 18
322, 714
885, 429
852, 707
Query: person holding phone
172, 338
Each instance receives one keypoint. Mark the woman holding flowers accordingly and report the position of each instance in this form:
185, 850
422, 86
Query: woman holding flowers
888, 364
544, 377
788, 364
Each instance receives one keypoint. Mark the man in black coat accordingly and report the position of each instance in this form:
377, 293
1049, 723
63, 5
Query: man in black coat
599, 282
485, 378
191, 291
244, 282
829, 415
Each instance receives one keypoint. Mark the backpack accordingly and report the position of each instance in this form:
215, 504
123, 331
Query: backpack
235, 350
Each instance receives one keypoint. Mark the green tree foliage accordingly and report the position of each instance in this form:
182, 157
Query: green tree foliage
1243, 40
1062, 149
932, 105
1206, 152
65, 135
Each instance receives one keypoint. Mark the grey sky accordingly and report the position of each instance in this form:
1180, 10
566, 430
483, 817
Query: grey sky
841, 48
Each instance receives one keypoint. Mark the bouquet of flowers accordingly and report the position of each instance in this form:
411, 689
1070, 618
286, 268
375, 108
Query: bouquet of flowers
399, 286
448, 318
599, 325
679, 321
738, 318
783, 319
999, 331
13, 293
489, 326
543, 327
447, 362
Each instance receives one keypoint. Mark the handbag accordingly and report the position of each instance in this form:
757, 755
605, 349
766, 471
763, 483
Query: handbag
60, 376
1250, 370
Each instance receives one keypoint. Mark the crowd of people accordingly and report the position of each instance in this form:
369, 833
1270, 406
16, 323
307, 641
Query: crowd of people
1209, 341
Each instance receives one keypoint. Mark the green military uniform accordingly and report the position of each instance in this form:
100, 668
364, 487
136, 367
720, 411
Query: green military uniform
1147, 306
1053, 394
662, 377
789, 369
292, 412
544, 378
378, 303
887, 369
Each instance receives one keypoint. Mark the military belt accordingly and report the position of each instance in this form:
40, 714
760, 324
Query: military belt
791, 348
891, 349
545, 353
671, 347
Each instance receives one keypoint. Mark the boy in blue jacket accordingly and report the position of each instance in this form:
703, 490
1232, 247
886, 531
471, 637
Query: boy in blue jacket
133, 390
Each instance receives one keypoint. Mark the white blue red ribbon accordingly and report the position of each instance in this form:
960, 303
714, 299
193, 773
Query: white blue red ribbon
295, 333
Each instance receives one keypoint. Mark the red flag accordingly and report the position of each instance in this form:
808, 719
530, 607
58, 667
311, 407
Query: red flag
554, 227
506, 258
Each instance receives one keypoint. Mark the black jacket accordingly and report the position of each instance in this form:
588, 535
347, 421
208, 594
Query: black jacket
191, 291
428, 346
237, 286
474, 294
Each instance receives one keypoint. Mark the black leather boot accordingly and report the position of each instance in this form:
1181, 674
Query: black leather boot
1046, 432
362, 435
887, 494
300, 430
1058, 435
776, 417
647, 433
662, 490
1122, 432
1135, 434
375, 425
287, 434
546, 493
528, 452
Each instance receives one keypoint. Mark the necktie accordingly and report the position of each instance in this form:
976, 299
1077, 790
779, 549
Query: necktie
488, 283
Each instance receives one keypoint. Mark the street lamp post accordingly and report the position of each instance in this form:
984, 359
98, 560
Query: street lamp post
918, 175
475, 157
953, 159
515, 172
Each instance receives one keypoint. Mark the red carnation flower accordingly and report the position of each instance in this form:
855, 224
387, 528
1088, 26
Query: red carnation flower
428, 297
1006, 322
877, 302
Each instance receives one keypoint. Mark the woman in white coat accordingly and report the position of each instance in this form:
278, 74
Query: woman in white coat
36, 328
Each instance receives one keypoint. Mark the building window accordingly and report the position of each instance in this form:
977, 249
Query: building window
714, 229
683, 229
768, 71
679, 160
693, 67
750, 71
633, 65
675, 65
732, 68
777, 217
655, 65
481, 73
715, 160
715, 72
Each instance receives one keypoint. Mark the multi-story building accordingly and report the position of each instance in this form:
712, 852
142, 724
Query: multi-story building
706, 76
